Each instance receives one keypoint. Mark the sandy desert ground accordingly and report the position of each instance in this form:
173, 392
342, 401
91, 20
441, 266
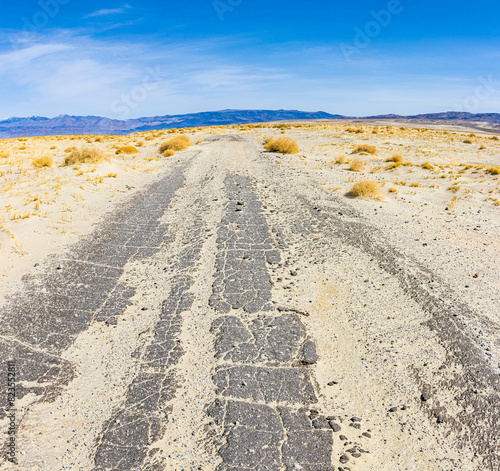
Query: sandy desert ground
400, 294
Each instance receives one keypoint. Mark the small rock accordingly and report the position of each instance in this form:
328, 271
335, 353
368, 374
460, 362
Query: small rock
60, 266
355, 425
355, 419
309, 355
332, 383
293, 273
424, 397
342, 438
344, 459
335, 427
366, 434
356, 455
393, 409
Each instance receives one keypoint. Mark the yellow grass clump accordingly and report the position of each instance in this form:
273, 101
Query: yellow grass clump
357, 165
86, 155
341, 159
396, 158
4, 155
365, 149
366, 189
43, 161
127, 150
283, 145
168, 153
428, 166
175, 144
493, 170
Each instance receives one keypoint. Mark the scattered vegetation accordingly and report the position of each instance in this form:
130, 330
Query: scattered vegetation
283, 145
43, 161
365, 149
127, 150
176, 144
493, 170
168, 153
341, 159
86, 155
357, 165
366, 189
396, 158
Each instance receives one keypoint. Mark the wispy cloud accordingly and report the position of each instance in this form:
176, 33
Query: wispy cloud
108, 11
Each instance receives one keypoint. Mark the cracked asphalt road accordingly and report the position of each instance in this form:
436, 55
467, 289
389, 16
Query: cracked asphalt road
191, 331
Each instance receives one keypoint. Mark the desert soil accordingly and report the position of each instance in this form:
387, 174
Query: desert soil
229, 308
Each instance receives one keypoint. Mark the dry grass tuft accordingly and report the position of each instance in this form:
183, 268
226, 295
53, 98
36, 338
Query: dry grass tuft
168, 153
493, 170
341, 159
427, 166
468, 141
176, 144
495, 138
396, 158
86, 155
365, 149
127, 150
357, 165
283, 145
4, 155
43, 161
366, 189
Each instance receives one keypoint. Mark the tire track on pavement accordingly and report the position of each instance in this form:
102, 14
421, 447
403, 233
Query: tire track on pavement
264, 387
43, 320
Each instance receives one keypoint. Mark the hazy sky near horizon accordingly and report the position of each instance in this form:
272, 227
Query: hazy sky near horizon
358, 58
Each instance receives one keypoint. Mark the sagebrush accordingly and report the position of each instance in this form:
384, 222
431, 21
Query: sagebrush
176, 144
283, 145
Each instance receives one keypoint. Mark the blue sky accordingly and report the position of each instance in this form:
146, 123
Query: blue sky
126, 60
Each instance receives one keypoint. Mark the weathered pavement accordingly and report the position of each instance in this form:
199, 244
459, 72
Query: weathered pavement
168, 341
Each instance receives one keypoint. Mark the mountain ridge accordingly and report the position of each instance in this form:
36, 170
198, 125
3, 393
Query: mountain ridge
71, 124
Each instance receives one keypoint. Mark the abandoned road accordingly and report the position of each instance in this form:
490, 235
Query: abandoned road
229, 318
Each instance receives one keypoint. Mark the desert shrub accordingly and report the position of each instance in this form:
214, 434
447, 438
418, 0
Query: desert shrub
199, 141
341, 159
127, 150
467, 141
43, 161
365, 149
266, 140
427, 166
4, 155
86, 155
70, 149
366, 189
283, 145
493, 170
483, 147
357, 165
168, 153
494, 138
139, 144
175, 144
98, 139
397, 158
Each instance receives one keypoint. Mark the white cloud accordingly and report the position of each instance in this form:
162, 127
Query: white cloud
108, 11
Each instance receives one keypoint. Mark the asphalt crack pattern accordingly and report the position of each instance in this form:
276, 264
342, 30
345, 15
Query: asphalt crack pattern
52, 310
263, 384
125, 441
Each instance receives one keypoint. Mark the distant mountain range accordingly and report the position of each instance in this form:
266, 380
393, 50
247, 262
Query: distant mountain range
64, 124
458, 117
